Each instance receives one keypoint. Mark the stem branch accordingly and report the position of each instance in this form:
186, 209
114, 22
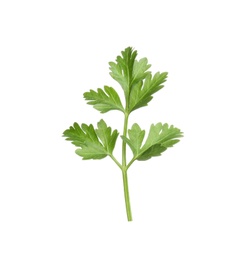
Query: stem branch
115, 160
131, 162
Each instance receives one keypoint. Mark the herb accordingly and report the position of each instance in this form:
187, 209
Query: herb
138, 85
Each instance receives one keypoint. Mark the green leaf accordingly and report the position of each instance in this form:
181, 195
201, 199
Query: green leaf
93, 143
154, 150
163, 134
107, 137
160, 137
140, 70
135, 79
141, 93
135, 139
91, 151
92, 148
104, 101
122, 70
75, 134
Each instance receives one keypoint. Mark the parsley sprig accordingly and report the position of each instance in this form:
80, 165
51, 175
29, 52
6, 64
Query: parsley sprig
138, 85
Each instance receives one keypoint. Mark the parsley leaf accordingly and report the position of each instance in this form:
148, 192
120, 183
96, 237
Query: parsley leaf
142, 92
135, 79
93, 143
104, 101
122, 70
135, 139
107, 137
75, 134
160, 137
140, 70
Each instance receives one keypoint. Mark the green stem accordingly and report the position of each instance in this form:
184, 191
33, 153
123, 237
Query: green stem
124, 160
115, 160
126, 194
124, 171
131, 162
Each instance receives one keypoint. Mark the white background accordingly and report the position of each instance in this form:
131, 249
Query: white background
187, 204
